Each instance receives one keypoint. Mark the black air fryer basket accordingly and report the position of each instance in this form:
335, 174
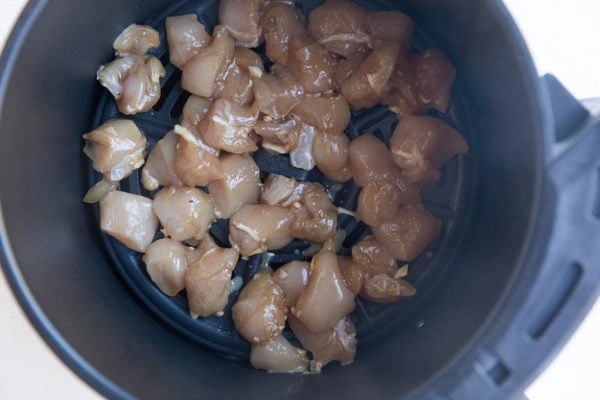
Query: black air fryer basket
514, 270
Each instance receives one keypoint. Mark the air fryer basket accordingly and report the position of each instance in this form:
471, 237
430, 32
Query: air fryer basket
515, 268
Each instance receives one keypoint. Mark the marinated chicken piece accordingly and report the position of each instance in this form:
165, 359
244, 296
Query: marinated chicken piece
385, 289
185, 213
129, 219
99, 190
315, 217
259, 313
160, 166
292, 278
422, 145
280, 22
134, 82
341, 26
202, 73
365, 86
136, 39
116, 148
241, 17
277, 93
227, 126
205, 245
390, 25
326, 300
207, 282
329, 114
278, 355
279, 190
311, 64
256, 228
236, 84
280, 136
347, 66
338, 344
408, 232
379, 200
301, 156
166, 263
330, 152
239, 184
372, 258
196, 163
423, 82
194, 111
186, 36
371, 161
352, 274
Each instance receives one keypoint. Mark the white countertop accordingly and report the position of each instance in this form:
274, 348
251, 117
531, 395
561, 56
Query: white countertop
563, 36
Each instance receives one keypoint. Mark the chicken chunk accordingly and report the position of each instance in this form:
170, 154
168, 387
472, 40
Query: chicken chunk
329, 114
196, 163
330, 152
311, 64
277, 93
278, 355
280, 136
281, 191
371, 161
129, 219
194, 111
116, 148
379, 200
390, 25
160, 166
352, 274
386, 289
422, 145
407, 234
207, 282
259, 313
256, 228
136, 39
315, 217
185, 213
372, 258
237, 85
166, 263
186, 36
341, 26
203, 247
239, 184
292, 278
241, 18
281, 21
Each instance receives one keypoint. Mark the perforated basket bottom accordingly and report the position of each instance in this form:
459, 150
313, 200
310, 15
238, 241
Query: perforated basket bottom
448, 200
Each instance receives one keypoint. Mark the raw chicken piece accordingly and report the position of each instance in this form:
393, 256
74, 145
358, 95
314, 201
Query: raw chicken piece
311, 64
379, 200
408, 232
326, 300
207, 282
128, 218
329, 114
194, 111
236, 84
352, 274
186, 36
99, 190
276, 93
185, 213
278, 355
372, 258
134, 82
280, 136
315, 217
301, 156
422, 82
422, 145
205, 245
136, 39
239, 184
256, 228
201, 73
166, 264
116, 148
331, 156
241, 18
367, 84
279, 190
341, 26
346, 67
385, 289
227, 126
338, 344
196, 163
160, 167
292, 278
280, 22
371, 161
390, 25
259, 313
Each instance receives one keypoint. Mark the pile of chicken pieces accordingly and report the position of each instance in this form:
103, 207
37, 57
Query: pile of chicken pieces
344, 57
